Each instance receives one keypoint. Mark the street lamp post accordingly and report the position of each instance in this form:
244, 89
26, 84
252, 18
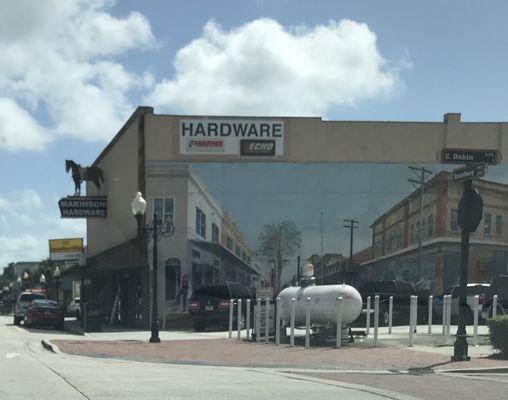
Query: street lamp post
56, 275
42, 281
157, 229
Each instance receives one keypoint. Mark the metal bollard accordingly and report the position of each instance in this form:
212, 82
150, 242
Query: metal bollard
475, 320
267, 319
494, 305
415, 314
376, 318
367, 317
277, 321
431, 301
449, 317
258, 320
231, 305
238, 319
411, 319
307, 324
445, 314
292, 334
338, 334
247, 319
390, 314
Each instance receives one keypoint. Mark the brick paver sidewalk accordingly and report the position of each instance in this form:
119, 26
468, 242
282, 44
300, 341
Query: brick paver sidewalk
241, 353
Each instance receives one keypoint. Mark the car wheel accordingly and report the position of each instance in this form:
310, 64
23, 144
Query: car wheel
60, 326
17, 321
242, 323
385, 318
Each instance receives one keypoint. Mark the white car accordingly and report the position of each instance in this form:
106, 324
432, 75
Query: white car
23, 303
74, 307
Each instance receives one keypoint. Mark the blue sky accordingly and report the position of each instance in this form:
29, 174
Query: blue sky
72, 72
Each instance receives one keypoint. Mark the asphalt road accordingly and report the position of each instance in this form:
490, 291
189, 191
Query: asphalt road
27, 371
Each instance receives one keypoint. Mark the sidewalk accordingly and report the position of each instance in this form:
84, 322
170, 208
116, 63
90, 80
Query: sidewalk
212, 348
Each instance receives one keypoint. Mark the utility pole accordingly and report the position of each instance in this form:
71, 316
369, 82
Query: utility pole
421, 181
352, 225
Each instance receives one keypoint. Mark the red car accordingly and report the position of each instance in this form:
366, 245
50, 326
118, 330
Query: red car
45, 313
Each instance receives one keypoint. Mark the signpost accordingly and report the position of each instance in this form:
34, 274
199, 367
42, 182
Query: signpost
470, 215
469, 172
469, 156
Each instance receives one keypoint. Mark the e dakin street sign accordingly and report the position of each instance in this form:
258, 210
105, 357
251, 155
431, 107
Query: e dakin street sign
469, 172
469, 156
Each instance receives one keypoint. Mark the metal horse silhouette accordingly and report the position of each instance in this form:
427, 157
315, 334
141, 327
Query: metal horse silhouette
80, 174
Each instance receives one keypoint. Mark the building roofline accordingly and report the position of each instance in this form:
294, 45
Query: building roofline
140, 111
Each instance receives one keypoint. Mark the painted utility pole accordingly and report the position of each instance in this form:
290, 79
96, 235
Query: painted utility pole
421, 182
321, 258
352, 226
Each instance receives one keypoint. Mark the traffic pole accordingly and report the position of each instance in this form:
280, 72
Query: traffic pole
475, 320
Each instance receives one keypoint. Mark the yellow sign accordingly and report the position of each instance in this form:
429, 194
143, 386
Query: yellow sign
65, 249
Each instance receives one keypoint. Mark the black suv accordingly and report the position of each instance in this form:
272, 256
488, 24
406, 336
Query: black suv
209, 305
499, 286
401, 292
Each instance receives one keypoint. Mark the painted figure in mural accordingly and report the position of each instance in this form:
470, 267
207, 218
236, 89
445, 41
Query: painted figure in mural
80, 174
184, 290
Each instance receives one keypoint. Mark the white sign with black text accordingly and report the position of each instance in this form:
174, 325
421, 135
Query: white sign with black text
249, 137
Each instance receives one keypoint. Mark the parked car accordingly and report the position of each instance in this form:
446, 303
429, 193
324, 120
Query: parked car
23, 302
74, 308
401, 292
499, 287
45, 313
473, 289
209, 306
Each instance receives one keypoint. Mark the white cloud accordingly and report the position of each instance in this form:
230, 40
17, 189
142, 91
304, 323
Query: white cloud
58, 59
263, 68
18, 130
24, 211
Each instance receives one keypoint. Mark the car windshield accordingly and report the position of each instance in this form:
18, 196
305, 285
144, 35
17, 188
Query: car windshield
29, 297
44, 304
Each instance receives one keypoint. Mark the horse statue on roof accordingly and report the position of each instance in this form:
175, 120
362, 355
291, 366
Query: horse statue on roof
80, 174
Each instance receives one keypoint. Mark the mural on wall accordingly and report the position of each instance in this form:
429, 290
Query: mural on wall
403, 233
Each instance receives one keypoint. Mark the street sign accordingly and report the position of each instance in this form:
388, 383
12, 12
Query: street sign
83, 207
469, 156
469, 172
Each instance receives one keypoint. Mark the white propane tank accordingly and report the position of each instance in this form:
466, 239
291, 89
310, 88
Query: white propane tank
323, 307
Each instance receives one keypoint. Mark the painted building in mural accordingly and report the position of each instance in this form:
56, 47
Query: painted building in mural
395, 237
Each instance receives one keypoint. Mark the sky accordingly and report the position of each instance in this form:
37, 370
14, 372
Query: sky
72, 72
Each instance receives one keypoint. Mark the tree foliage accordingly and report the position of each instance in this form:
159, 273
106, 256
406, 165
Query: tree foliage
277, 241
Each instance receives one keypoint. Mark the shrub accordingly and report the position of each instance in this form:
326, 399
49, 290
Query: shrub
498, 332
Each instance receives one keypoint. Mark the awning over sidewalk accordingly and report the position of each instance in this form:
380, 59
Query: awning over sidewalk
218, 250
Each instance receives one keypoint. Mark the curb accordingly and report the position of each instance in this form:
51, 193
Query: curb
487, 370
47, 345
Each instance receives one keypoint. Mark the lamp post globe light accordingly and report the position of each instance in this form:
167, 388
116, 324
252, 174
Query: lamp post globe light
42, 281
56, 275
156, 228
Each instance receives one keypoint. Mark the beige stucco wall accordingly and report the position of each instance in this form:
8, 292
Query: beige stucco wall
315, 140
120, 168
